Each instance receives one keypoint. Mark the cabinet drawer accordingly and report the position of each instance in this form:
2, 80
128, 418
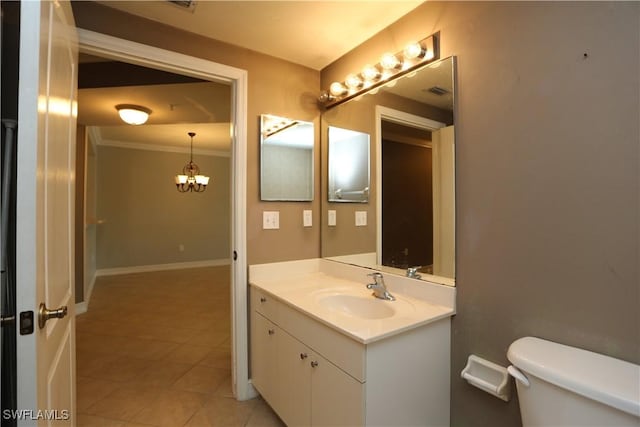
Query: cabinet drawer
264, 303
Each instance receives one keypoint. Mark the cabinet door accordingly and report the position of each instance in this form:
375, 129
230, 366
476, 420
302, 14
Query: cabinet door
294, 380
263, 357
337, 399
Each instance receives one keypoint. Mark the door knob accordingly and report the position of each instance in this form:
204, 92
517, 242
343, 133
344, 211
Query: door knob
45, 314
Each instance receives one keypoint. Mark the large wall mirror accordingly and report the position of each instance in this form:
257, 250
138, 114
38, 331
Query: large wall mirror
410, 227
286, 159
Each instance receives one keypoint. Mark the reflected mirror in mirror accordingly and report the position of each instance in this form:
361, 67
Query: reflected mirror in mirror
411, 231
286, 159
348, 165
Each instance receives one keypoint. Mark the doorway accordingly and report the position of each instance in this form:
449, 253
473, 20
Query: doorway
406, 140
407, 196
151, 57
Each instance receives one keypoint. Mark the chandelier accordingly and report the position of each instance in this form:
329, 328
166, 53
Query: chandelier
190, 179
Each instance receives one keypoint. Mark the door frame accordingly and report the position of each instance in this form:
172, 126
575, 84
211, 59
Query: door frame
152, 57
400, 117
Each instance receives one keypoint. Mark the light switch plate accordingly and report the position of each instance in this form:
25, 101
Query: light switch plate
331, 218
270, 220
361, 218
307, 218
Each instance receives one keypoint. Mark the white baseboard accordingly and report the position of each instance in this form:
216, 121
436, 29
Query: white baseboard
161, 267
82, 307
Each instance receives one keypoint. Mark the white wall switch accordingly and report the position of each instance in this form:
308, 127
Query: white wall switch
270, 220
331, 218
361, 218
307, 218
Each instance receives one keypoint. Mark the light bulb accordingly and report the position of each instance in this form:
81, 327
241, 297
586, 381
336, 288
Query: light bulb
370, 72
353, 81
181, 179
413, 50
337, 89
389, 61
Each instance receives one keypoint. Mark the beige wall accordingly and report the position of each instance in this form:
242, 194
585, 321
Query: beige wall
274, 87
145, 219
547, 178
90, 216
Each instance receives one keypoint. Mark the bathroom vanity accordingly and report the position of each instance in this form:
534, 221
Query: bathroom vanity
324, 351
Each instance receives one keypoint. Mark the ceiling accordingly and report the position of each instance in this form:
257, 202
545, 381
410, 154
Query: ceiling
263, 26
203, 108
268, 26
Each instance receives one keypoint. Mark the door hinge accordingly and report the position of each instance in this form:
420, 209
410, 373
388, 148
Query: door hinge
235, 255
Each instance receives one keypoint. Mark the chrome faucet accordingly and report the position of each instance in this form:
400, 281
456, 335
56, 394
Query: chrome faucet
413, 272
379, 288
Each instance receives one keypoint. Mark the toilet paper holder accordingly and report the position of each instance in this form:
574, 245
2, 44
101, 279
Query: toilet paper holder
487, 376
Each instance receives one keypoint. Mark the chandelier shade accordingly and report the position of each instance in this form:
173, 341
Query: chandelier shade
191, 180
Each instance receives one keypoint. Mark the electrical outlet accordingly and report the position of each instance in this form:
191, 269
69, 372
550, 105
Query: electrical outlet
331, 218
307, 218
181, 247
270, 220
361, 218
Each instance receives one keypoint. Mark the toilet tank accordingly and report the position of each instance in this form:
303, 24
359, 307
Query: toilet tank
560, 385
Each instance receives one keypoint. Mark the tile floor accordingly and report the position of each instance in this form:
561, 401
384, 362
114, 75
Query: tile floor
154, 350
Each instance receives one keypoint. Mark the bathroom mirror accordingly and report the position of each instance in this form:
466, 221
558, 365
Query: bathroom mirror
410, 214
348, 165
286, 159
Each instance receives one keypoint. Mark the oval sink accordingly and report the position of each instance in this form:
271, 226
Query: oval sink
368, 308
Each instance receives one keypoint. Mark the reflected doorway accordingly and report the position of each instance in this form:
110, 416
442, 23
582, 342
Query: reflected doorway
407, 196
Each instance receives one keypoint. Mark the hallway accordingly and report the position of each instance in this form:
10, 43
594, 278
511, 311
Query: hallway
154, 349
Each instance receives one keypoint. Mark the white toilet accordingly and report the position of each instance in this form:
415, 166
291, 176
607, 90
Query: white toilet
560, 385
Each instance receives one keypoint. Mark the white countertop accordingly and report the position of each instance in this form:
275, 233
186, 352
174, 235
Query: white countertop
308, 285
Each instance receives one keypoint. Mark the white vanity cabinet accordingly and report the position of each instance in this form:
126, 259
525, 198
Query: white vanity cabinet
312, 374
263, 353
301, 385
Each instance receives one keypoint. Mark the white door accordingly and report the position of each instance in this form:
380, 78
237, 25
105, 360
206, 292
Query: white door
47, 112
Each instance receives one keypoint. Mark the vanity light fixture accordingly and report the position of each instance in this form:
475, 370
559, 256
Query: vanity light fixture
273, 124
385, 72
190, 179
133, 114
